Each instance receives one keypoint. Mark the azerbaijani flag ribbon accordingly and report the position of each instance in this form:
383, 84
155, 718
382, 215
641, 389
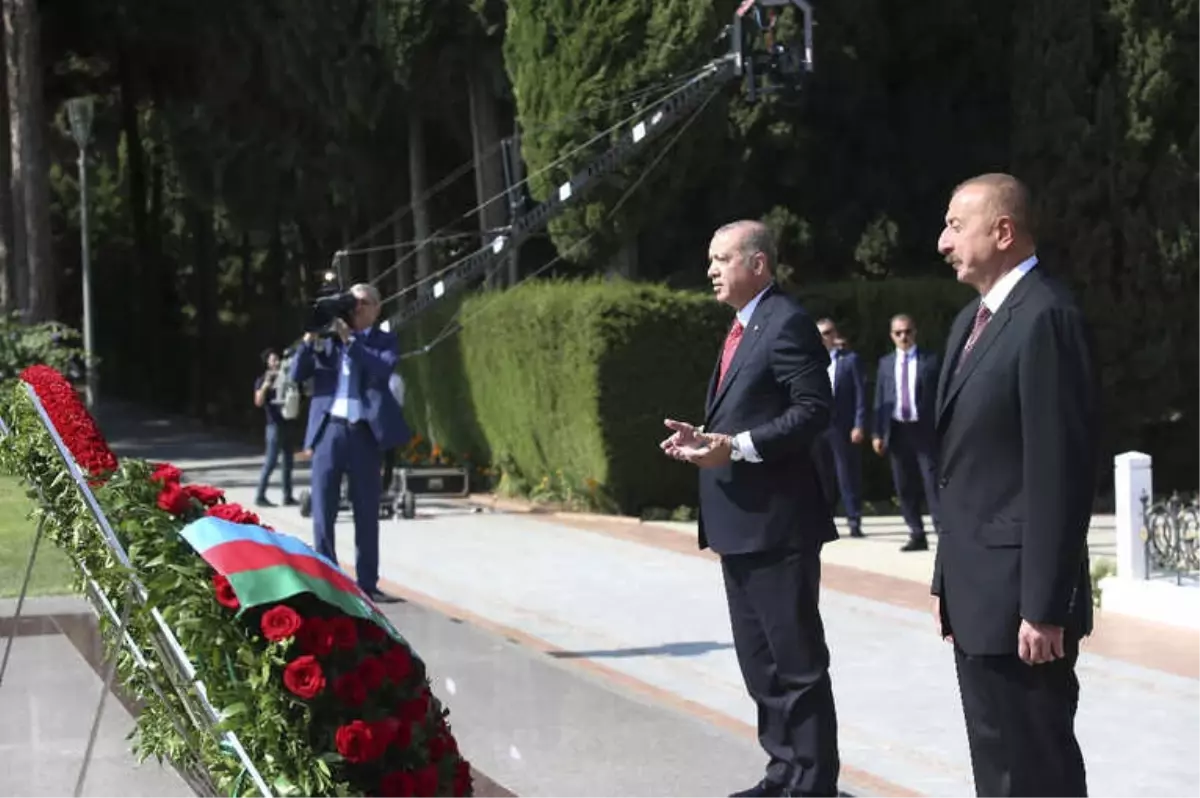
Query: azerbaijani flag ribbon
266, 567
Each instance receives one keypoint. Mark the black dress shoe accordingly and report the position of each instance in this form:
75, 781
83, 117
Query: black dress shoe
379, 597
856, 532
916, 544
764, 789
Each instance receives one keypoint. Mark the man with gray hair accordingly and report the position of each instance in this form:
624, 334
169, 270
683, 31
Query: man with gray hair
762, 508
352, 418
1017, 411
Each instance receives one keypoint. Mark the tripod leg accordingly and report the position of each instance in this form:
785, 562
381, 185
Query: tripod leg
16, 619
110, 673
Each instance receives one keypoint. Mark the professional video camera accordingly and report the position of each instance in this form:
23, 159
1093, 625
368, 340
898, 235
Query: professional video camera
331, 303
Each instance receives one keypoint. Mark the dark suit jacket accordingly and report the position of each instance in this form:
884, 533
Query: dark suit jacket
777, 388
374, 355
928, 364
849, 407
1016, 430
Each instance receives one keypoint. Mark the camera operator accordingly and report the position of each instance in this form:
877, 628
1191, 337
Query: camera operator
277, 434
352, 419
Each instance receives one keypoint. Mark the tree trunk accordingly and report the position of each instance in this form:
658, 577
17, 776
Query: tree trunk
401, 276
489, 166
18, 277
7, 265
136, 159
204, 285
417, 185
29, 158
375, 257
625, 262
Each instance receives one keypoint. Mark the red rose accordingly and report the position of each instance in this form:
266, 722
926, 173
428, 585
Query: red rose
372, 673
345, 635
234, 513
415, 710
398, 783
166, 474
304, 678
371, 631
173, 499
226, 596
442, 744
205, 494
280, 623
404, 733
462, 778
398, 663
426, 780
350, 689
315, 637
356, 742
385, 733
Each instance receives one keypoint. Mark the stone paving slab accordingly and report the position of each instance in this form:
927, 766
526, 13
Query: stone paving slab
47, 703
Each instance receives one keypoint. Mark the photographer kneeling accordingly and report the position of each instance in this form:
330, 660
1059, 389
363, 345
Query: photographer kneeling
352, 419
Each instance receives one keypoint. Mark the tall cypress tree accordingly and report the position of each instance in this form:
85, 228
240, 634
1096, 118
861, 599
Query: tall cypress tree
564, 57
1105, 133
1155, 189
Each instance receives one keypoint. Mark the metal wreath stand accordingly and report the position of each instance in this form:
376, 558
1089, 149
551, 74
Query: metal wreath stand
171, 657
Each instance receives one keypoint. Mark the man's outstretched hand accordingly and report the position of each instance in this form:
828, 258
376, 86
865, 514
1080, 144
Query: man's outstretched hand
688, 444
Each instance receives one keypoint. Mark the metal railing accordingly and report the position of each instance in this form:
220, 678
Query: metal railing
172, 660
1170, 533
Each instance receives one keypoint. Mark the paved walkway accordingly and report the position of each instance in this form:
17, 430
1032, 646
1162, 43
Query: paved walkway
637, 608
47, 702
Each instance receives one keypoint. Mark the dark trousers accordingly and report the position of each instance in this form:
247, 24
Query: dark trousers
389, 469
1021, 724
912, 450
780, 644
839, 466
278, 443
345, 449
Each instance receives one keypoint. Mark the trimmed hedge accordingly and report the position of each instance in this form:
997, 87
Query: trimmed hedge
567, 382
437, 396
572, 380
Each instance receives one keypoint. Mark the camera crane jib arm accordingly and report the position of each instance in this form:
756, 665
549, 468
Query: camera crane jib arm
780, 67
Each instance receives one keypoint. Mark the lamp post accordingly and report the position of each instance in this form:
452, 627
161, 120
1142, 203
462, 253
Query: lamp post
79, 111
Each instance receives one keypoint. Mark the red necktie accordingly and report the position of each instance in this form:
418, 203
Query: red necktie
982, 317
731, 344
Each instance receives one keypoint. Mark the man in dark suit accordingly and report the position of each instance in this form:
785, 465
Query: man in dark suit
840, 460
762, 509
1016, 421
905, 389
352, 418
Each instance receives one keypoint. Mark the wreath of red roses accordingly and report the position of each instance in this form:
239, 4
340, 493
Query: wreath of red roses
368, 690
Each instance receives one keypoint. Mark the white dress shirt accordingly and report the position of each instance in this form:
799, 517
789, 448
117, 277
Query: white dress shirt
1004, 286
742, 440
344, 405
